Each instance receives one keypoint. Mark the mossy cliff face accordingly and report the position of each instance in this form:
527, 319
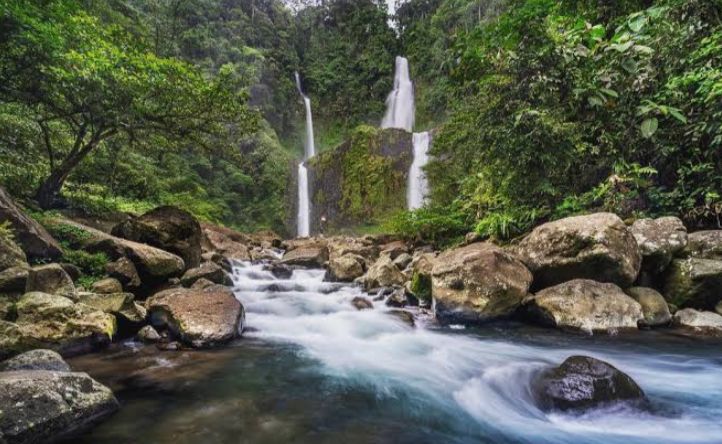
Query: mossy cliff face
362, 179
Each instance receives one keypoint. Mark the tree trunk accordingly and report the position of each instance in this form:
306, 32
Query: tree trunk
48, 191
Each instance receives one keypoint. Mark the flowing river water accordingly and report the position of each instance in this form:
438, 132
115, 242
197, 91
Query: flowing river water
312, 369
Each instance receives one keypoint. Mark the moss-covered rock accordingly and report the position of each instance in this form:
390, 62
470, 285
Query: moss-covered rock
694, 283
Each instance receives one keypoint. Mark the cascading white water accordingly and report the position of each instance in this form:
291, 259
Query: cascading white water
304, 206
418, 185
485, 382
400, 103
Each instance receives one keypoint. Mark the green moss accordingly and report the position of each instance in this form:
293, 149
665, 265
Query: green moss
421, 286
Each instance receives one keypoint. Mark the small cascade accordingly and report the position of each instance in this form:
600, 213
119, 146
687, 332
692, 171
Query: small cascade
418, 185
400, 103
304, 206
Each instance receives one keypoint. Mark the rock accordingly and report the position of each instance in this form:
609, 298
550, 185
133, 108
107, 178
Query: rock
125, 272
279, 271
200, 318
383, 273
11, 255
55, 322
362, 303
52, 279
310, 256
584, 305
209, 271
404, 316
477, 283
169, 346
35, 241
14, 279
582, 383
122, 305
694, 283
596, 246
341, 246
659, 241
7, 307
168, 228
472, 237
44, 406
654, 306
36, 360
701, 322
222, 244
705, 245
403, 260
218, 259
718, 308
107, 286
399, 298
202, 283
420, 285
148, 334
394, 249
345, 268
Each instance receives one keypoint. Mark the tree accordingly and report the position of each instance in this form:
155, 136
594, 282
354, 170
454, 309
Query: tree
84, 83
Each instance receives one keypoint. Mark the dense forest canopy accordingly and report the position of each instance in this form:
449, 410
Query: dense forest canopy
539, 108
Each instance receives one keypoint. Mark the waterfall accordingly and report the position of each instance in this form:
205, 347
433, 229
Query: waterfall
304, 207
400, 103
418, 186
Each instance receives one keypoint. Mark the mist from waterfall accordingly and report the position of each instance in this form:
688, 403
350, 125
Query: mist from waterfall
400, 108
303, 224
418, 185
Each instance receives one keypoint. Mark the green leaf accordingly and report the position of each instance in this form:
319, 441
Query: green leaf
646, 50
649, 127
678, 115
609, 92
638, 23
595, 101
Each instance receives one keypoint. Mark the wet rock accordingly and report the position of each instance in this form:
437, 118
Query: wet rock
694, 283
383, 273
345, 268
403, 260
11, 255
342, 246
221, 243
403, 316
34, 240
36, 360
654, 306
279, 271
107, 286
209, 271
168, 228
582, 383
700, 322
148, 335
199, 318
259, 254
596, 246
362, 303
705, 245
52, 279
309, 256
219, 260
122, 305
44, 406
476, 283
584, 305
169, 346
125, 272
399, 298
659, 241
14, 279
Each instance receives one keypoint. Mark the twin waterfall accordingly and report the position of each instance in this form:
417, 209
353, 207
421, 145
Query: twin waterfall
400, 113
304, 206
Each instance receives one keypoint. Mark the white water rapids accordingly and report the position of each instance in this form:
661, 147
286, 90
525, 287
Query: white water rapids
481, 381
303, 224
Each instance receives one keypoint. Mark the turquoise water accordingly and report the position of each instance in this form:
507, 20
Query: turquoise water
314, 370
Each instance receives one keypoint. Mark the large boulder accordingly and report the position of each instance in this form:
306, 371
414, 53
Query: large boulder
654, 306
581, 383
122, 305
14, 279
55, 322
478, 282
209, 271
383, 273
45, 406
345, 268
35, 360
705, 245
701, 322
107, 286
596, 246
223, 244
30, 235
199, 318
11, 255
52, 279
342, 246
125, 272
421, 265
311, 256
168, 228
584, 305
694, 283
659, 241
